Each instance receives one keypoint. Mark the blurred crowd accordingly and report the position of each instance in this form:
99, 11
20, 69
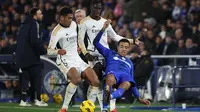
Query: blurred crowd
12, 85
165, 26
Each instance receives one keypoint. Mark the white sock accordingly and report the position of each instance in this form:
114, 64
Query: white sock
70, 90
100, 98
92, 93
112, 103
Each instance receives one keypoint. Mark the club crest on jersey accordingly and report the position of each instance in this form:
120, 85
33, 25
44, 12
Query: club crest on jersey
66, 34
93, 26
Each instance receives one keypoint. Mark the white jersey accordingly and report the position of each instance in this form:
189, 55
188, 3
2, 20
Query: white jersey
67, 40
92, 27
66, 37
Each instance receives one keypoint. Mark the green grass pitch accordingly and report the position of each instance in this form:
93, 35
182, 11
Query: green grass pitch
13, 107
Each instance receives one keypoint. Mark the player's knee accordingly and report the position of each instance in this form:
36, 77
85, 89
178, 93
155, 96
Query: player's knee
95, 82
125, 85
109, 82
76, 80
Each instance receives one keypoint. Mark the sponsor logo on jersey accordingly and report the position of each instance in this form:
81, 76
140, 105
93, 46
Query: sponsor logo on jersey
95, 31
122, 60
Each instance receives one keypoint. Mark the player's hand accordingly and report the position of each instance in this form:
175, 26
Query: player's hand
145, 102
89, 57
106, 24
62, 52
137, 41
79, 50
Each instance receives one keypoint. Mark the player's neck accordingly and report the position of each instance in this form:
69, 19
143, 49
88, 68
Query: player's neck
95, 18
63, 25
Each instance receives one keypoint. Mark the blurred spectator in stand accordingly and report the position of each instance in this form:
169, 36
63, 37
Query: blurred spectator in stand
16, 88
163, 31
159, 46
181, 50
168, 49
49, 14
177, 11
8, 84
107, 13
196, 35
178, 35
143, 67
149, 41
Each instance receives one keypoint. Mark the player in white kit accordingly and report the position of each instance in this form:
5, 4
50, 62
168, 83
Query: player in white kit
68, 59
90, 26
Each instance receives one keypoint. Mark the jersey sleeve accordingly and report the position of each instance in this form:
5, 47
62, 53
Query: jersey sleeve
103, 50
112, 34
81, 36
52, 50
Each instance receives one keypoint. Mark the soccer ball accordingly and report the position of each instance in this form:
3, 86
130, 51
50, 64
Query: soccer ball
44, 97
87, 106
57, 98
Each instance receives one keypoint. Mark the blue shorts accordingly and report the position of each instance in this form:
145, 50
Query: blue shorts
122, 77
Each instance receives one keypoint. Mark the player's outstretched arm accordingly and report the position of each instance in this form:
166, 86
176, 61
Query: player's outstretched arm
136, 94
114, 36
103, 50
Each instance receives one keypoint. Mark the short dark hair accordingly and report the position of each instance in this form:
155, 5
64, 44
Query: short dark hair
33, 11
65, 11
96, 2
123, 40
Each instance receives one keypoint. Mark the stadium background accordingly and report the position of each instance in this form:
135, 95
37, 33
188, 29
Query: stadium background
167, 27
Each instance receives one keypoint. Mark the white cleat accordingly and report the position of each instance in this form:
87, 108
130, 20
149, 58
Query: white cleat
40, 103
24, 104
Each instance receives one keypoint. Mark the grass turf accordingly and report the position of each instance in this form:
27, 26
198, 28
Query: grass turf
13, 107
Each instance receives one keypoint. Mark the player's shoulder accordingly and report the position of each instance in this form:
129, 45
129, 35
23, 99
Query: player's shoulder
86, 19
103, 19
56, 29
73, 23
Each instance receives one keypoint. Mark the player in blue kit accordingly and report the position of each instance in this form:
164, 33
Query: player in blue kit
119, 70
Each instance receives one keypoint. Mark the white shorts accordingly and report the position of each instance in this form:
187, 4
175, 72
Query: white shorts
66, 64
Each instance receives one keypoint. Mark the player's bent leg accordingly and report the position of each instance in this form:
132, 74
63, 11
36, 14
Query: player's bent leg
75, 79
94, 84
109, 82
91, 76
99, 68
120, 91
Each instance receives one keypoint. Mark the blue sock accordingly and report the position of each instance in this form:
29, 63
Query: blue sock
118, 93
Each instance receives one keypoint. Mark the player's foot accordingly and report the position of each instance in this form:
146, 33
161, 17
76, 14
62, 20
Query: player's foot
62, 110
106, 99
115, 110
40, 103
24, 104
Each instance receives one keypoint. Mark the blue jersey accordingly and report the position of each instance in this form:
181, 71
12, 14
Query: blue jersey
120, 67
